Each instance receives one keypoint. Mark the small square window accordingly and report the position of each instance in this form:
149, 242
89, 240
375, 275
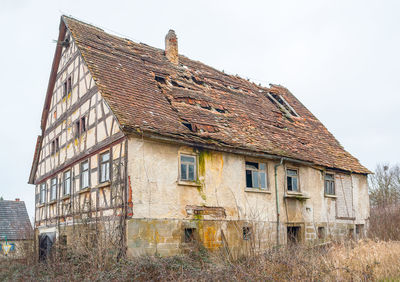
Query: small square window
188, 168
329, 184
189, 235
247, 233
292, 180
256, 175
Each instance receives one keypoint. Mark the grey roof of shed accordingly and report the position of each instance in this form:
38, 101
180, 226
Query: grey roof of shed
14, 221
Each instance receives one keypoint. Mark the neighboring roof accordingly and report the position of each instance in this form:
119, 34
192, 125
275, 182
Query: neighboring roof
14, 221
195, 103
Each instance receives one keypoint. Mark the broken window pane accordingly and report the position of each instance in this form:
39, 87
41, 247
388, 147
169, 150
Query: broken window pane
292, 180
256, 175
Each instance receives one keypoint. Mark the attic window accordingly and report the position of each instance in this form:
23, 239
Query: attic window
80, 126
282, 104
67, 86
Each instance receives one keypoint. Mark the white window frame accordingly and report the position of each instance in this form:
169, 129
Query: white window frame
81, 175
107, 164
53, 189
187, 165
258, 171
42, 193
65, 181
297, 177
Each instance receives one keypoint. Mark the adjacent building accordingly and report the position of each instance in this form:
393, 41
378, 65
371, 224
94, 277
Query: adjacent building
16, 236
175, 151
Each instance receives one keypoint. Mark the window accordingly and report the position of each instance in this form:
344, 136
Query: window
189, 235
84, 174
80, 126
247, 231
67, 183
105, 167
67, 86
256, 175
321, 232
292, 180
188, 168
42, 196
55, 146
329, 184
53, 189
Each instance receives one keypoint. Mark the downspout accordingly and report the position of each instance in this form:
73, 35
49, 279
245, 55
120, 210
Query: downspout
277, 201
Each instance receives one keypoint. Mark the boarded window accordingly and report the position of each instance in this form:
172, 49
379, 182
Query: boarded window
53, 189
256, 175
188, 168
84, 174
105, 167
329, 184
67, 183
292, 180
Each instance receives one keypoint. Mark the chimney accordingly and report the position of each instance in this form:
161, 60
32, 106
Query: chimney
171, 47
17, 199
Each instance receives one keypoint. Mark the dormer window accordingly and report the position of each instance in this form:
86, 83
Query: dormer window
282, 104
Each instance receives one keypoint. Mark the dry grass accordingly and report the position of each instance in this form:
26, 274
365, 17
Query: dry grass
363, 261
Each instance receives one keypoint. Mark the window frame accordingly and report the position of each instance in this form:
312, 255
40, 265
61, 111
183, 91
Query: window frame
332, 181
298, 179
67, 86
42, 199
195, 169
265, 171
80, 126
100, 166
53, 186
81, 174
69, 180
247, 233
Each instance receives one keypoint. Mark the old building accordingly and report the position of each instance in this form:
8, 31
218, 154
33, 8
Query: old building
177, 151
15, 229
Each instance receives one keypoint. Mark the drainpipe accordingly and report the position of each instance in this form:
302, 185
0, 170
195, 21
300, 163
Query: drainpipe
277, 201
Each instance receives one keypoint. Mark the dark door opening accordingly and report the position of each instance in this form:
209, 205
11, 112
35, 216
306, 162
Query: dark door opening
293, 235
45, 244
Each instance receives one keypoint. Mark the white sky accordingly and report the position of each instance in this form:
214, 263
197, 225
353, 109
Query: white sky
340, 58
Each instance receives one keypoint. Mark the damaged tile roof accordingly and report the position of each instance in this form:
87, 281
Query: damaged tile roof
193, 102
14, 221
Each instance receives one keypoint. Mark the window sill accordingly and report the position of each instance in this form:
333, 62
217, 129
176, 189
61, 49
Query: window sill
52, 202
84, 190
330, 196
188, 183
102, 185
65, 197
257, 190
296, 195
41, 205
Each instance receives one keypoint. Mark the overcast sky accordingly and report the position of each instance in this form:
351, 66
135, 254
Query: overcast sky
340, 58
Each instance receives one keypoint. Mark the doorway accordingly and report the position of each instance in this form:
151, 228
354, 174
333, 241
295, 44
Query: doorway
293, 235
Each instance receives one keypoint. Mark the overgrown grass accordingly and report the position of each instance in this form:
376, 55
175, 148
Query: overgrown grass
362, 261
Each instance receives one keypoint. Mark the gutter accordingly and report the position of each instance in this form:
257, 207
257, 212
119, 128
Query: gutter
277, 201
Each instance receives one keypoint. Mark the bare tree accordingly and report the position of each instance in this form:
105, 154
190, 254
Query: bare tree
385, 186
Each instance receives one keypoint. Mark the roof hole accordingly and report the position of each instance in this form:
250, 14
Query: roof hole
188, 125
160, 79
176, 84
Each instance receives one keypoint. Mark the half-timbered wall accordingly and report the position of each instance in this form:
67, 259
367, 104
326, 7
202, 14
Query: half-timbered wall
80, 126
